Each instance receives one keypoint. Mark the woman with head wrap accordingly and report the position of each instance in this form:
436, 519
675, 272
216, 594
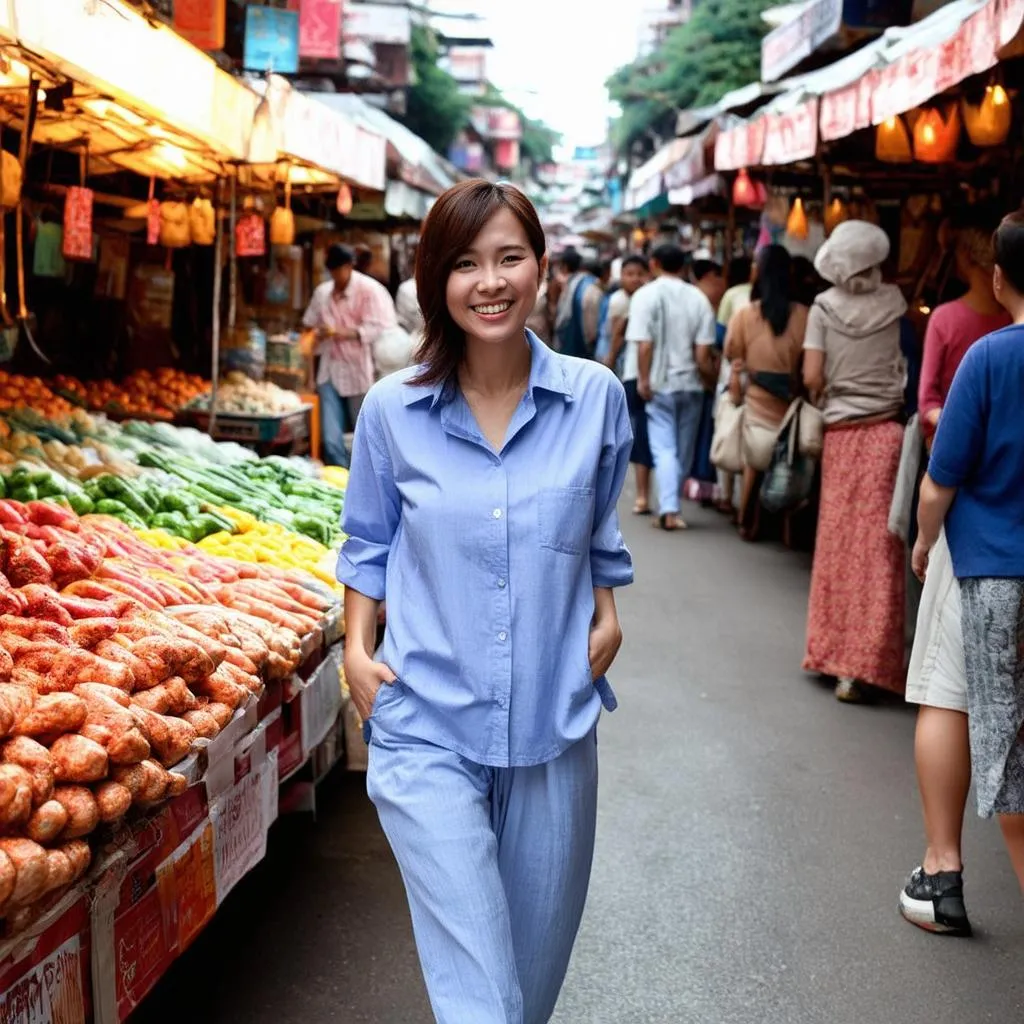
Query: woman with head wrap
853, 362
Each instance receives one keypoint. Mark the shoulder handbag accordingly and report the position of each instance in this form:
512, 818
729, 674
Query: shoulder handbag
811, 429
727, 440
790, 477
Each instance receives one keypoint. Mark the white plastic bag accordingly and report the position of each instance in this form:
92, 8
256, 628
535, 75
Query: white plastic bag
392, 351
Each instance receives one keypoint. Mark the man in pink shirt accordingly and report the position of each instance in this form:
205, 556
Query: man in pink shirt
348, 314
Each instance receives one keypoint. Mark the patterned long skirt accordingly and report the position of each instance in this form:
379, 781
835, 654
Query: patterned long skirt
993, 623
858, 583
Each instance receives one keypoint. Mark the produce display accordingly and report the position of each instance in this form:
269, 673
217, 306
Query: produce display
116, 657
17, 392
156, 394
239, 395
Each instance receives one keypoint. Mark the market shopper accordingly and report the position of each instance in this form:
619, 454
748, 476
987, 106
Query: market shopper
852, 361
936, 679
671, 321
348, 313
763, 348
632, 277
498, 562
578, 311
702, 480
972, 487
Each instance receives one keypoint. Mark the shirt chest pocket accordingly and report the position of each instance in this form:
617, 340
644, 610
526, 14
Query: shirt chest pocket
566, 518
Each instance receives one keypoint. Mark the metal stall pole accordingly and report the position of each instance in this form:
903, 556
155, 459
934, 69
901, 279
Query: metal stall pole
218, 279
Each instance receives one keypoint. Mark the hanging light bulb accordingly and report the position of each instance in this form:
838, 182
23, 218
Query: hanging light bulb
743, 191
796, 223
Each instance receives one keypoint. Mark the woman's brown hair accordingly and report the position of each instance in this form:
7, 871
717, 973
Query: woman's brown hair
454, 221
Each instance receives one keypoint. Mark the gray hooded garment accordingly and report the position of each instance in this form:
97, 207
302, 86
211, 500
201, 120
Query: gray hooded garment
856, 324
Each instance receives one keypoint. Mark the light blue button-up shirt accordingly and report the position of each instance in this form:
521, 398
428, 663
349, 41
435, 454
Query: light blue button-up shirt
489, 560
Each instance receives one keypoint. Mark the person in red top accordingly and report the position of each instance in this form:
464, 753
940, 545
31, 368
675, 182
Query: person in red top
955, 326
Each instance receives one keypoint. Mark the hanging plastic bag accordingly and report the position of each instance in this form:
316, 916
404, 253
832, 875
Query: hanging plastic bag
78, 208
175, 232
203, 222
10, 181
251, 235
282, 227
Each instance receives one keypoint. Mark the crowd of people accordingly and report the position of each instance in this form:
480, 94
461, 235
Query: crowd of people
507, 344
836, 335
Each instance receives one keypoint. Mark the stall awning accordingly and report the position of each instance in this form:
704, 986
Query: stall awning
145, 99
419, 166
889, 76
320, 136
112, 49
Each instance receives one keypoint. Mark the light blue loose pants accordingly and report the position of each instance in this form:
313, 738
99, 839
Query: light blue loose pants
673, 422
496, 864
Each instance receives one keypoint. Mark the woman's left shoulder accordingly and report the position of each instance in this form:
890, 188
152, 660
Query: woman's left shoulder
589, 377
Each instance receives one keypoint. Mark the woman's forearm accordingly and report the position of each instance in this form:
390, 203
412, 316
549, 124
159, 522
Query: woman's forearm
604, 605
934, 503
360, 623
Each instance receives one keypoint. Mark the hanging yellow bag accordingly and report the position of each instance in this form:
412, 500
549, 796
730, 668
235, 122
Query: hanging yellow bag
203, 222
892, 142
10, 181
988, 123
175, 232
282, 227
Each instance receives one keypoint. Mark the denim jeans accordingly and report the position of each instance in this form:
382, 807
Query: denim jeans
673, 422
337, 417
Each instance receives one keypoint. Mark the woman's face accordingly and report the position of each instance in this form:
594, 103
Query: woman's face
492, 288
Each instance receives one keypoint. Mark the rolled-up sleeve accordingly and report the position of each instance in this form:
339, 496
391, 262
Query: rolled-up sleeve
611, 564
372, 508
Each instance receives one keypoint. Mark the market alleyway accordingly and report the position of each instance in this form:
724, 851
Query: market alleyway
752, 839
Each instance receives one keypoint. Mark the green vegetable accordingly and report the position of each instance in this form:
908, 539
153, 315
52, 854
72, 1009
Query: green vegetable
313, 527
121, 490
176, 501
80, 502
26, 492
173, 522
110, 507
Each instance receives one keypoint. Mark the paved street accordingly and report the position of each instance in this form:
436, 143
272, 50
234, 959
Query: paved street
752, 838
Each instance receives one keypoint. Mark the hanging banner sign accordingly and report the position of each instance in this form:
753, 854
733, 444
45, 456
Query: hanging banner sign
319, 28
847, 110
791, 136
741, 146
201, 22
271, 40
924, 73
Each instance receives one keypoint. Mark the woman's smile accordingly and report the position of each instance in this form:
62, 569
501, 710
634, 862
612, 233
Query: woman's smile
492, 312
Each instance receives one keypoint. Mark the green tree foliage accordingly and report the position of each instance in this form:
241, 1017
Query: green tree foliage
435, 109
538, 141
718, 49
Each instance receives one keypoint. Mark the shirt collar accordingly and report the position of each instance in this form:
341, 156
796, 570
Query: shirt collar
547, 372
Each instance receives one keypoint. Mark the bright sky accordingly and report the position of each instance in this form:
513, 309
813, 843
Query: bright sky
552, 57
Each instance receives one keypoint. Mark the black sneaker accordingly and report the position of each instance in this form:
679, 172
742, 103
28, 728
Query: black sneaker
936, 902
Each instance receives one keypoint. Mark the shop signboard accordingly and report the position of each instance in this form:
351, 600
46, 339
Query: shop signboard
741, 146
319, 28
379, 23
201, 22
240, 832
271, 40
788, 44
926, 72
792, 135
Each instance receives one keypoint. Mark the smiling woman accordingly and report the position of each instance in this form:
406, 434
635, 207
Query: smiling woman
482, 505
479, 264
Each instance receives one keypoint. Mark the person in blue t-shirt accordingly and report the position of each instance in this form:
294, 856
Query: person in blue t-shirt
975, 486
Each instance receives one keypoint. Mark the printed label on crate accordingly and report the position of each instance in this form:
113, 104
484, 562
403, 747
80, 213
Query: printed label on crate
240, 832
143, 945
195, 885
321, 703
50, 992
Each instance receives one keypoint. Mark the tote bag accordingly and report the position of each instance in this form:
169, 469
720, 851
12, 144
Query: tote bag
727, 441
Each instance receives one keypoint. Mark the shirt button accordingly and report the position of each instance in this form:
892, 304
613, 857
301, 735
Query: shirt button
496, 513
503, 636
501, 583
